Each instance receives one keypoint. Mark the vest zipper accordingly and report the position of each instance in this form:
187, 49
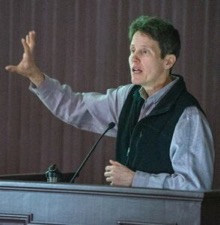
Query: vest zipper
129, 148
127, 155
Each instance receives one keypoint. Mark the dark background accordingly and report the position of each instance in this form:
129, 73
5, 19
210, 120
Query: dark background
84, 43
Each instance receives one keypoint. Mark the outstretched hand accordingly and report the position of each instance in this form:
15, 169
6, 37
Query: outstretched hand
27, 66
118, 175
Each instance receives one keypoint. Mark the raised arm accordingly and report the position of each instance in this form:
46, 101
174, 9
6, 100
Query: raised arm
27, 66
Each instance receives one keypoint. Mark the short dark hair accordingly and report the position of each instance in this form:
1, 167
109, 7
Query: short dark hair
159, 30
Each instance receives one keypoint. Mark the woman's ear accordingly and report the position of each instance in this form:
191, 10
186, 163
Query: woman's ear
169, 61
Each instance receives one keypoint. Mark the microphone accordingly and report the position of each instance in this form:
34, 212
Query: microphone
110, 126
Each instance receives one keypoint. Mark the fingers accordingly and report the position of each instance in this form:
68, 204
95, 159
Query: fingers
109, 177
25, 46
118, 175
29, 42
113, 165
30, 38
110, 171
27, 39
27, 66
114, 162
28, 46
10, 68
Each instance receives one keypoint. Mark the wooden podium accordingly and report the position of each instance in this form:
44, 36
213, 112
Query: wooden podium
35, 203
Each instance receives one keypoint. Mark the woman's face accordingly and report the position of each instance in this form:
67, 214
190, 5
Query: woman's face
147, 67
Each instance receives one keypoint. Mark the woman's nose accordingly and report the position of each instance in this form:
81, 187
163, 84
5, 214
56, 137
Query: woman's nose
134, 57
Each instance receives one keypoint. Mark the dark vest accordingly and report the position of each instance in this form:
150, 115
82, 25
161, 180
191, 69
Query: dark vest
145, 145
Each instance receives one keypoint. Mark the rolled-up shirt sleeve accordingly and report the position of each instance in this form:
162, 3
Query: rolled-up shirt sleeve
191, 154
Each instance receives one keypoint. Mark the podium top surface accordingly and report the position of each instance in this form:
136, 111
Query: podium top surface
106, 190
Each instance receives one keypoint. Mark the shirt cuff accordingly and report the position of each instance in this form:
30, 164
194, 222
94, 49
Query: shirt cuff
43, 88
140, 179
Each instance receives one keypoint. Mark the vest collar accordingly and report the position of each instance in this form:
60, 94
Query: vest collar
165, 104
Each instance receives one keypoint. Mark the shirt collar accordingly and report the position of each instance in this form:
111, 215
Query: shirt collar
157, 96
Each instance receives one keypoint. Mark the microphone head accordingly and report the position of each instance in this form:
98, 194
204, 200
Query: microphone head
111, 125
